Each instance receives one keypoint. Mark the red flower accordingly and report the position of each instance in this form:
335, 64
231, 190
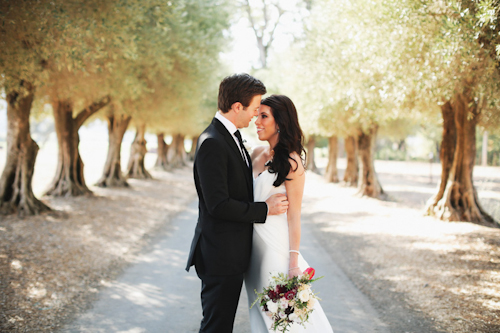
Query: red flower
310, 271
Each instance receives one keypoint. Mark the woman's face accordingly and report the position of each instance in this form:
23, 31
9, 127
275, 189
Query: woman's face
267, 130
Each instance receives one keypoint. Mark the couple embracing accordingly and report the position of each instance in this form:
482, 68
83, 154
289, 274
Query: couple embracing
249, 205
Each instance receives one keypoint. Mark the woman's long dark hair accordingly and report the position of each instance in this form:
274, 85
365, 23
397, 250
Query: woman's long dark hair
290, 138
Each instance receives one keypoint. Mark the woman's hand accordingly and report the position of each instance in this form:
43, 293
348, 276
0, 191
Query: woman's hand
294, 272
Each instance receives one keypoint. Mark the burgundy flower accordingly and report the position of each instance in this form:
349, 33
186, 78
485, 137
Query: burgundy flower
289, 295
281, 289
273, 295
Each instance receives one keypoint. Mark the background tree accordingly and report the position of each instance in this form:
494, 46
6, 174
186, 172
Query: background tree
456, 71
112, 173
347, 63
175, 94
265, 18
23, 48
81, 74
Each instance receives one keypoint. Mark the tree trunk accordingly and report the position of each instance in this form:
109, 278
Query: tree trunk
368, 180
16, 193
446, 153
138, 150
69, 179
177, 153
331, 173
352, 169
161, 161
484, 152
457, 199
310, 161
192, 152
112, 175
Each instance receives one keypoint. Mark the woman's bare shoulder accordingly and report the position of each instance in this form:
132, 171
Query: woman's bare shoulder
297, 168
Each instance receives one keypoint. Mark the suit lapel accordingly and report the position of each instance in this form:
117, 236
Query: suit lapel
229, 139
250, 169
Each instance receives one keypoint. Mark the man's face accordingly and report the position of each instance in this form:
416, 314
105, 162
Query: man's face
246, 114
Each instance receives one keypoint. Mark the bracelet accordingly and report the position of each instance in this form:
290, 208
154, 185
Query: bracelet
292, 268
294, 251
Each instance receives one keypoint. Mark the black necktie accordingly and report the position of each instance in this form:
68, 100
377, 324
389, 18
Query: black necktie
242, 147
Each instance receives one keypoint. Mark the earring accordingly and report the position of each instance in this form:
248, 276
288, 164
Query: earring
279, 130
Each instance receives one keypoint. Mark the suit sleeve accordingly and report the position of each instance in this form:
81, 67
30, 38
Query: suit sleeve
211, 166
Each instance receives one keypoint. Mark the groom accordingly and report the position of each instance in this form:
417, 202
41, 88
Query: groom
222, 242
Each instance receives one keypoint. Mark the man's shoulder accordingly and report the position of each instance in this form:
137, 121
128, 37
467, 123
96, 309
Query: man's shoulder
211, 132
211, 139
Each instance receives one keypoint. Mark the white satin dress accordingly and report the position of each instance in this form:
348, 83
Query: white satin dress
270, 254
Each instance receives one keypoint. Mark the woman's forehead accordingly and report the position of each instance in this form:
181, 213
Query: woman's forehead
264, 108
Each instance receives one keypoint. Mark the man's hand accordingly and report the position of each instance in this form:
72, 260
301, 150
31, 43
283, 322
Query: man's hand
277, 204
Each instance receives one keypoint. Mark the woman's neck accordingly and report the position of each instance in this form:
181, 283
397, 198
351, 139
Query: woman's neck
272, 143
270, 153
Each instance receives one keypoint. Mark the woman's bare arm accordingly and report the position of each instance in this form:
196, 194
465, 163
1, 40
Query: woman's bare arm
295, 191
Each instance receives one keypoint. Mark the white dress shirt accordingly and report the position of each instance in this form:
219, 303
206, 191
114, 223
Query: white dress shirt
231, 128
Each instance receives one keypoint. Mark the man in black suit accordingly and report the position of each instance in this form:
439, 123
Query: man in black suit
222, 243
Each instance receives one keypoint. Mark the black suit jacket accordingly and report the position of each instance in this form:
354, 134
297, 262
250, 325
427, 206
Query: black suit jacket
222, 242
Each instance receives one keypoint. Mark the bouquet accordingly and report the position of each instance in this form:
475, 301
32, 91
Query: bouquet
288, 300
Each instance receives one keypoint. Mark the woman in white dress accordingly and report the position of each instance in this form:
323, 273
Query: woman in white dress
278, 168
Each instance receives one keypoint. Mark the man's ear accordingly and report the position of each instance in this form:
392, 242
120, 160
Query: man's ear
237, 107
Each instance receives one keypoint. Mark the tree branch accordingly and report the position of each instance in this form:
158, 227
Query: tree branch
90, 110
252, 23
271, 34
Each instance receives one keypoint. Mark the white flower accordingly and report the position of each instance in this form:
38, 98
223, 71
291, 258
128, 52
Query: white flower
304, 295
311, 303
303, 287
271, 306
282, 315
272, 279
293, 317
299, 313
284, 303
247, 146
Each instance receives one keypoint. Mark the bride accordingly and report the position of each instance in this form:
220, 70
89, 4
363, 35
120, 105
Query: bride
278, 168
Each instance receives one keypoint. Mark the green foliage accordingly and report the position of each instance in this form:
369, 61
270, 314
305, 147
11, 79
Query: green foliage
155, 59
393, 63
388, 153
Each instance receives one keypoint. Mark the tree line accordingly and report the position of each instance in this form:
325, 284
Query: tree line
132, 62
365, 67
357, 69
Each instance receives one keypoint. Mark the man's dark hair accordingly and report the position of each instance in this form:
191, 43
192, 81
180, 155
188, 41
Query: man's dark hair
238, 88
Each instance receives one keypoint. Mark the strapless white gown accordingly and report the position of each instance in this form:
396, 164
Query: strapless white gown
270, 254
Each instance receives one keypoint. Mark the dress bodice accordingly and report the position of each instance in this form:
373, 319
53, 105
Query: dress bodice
275, 230
263, 186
